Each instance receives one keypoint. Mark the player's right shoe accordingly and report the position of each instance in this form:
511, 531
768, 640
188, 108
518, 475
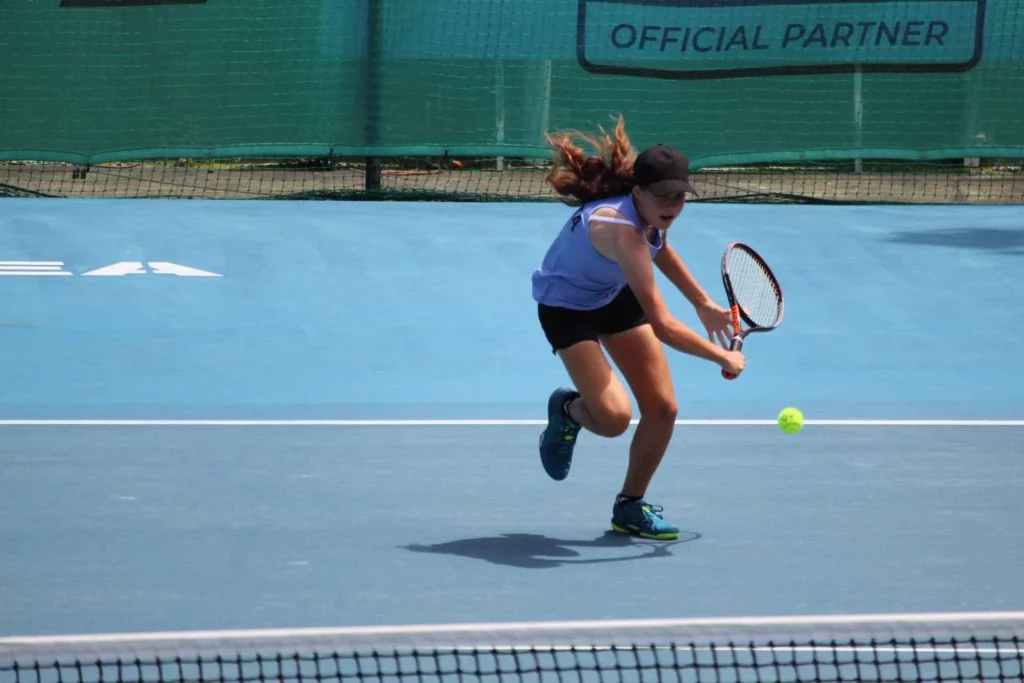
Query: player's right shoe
640, 518
558, 440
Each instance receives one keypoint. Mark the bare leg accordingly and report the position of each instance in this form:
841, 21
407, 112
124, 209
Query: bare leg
641, 358
603, 407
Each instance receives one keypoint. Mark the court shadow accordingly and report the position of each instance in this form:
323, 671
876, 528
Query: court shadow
1008, 241
536, 551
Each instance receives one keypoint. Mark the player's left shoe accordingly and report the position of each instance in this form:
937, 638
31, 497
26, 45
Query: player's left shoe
559, 439
640, 518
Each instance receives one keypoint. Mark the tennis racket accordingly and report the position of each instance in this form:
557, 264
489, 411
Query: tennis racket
754, 294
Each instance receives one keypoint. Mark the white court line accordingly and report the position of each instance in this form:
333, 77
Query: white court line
548, 634
486, 423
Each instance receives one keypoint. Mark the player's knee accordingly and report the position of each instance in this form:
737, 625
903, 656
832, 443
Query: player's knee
662, 410
614, 419
618, 422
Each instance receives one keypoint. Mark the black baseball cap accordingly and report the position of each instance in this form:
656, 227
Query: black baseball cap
663, 170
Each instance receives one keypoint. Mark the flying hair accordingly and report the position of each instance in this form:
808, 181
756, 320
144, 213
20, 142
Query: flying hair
578, 178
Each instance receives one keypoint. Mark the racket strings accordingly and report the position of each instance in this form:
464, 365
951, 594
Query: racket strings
754, 288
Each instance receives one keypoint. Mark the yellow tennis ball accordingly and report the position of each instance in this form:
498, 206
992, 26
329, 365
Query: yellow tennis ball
791, 420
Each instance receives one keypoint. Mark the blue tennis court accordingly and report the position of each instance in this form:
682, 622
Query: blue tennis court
273, 376
327, 414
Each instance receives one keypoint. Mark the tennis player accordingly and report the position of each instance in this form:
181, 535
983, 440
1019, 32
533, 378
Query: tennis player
596, 292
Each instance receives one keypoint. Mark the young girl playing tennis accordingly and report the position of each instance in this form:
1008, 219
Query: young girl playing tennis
596, 292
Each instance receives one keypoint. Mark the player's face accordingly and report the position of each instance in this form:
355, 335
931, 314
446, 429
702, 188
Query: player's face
659, 211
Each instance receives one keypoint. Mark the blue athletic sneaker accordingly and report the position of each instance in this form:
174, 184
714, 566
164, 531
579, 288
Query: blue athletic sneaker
640, 518
559, 439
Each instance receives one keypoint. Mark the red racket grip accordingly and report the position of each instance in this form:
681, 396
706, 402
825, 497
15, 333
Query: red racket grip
736, 345
737, 341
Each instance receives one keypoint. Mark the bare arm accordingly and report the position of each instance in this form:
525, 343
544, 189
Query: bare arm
672, 266
626, 246
716, 319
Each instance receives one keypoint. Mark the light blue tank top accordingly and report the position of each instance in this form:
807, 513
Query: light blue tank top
573, 273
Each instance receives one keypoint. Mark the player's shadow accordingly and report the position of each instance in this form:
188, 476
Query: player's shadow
536, 551
1005, 241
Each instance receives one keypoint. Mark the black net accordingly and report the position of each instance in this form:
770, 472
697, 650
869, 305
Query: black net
897, 101
985, 648
953, 181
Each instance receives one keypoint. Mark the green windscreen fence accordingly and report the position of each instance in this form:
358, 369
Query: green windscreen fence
868, 101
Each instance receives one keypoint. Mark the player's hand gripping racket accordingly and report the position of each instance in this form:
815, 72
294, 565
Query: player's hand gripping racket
754, 294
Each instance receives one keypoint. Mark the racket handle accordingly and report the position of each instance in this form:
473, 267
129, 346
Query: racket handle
736, 345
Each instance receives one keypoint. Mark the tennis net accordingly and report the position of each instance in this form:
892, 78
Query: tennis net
915, 647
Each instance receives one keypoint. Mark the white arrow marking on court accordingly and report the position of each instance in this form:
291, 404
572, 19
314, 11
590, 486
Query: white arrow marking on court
122, 268
165, 268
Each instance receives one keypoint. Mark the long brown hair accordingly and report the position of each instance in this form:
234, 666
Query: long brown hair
578, 178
